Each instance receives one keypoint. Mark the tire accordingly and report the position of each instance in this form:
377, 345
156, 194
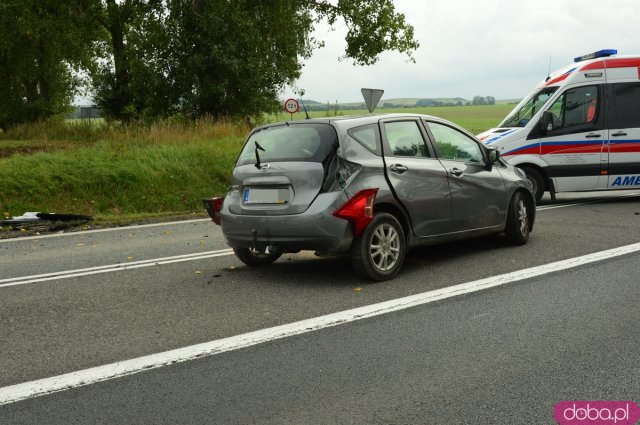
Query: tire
518, 225
254, 258
378, 252
537, 182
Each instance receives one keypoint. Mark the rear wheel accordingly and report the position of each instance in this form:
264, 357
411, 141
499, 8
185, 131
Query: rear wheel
537, 182
256, 258
518, 219
378, 252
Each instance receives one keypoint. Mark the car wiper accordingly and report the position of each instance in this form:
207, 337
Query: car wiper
258, 147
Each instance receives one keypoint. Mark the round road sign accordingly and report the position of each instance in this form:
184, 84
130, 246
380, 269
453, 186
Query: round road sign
291, 106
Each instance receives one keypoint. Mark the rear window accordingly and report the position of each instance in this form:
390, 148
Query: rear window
293, 142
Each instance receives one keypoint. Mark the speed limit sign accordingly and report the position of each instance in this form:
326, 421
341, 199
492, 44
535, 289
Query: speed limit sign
291, 106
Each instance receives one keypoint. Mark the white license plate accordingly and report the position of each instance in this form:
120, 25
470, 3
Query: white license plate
266, 196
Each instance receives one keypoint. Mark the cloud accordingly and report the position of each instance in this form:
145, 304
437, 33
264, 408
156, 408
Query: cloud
499, 48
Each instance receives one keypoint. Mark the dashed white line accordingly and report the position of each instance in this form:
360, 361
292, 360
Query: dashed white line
26, 390
23, 280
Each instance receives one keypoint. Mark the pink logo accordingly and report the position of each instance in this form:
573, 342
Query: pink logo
596, 412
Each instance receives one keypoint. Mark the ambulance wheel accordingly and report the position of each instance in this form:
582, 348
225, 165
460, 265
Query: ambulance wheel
536, 180
518, 219
255, 258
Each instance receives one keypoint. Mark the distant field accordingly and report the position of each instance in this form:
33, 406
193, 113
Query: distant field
476, 119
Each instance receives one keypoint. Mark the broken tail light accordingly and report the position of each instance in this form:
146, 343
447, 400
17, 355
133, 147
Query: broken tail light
213, 206
358, 210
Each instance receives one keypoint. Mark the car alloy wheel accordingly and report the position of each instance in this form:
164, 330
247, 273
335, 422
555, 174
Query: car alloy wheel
385, 247
378, 252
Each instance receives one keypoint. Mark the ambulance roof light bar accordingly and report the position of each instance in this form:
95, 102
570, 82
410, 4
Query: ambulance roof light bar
599, 54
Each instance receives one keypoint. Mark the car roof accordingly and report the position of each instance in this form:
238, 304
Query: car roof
356, 120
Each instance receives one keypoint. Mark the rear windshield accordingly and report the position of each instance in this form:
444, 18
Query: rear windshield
293, 142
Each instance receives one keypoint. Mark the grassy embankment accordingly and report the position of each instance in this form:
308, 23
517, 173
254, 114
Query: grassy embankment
120, 174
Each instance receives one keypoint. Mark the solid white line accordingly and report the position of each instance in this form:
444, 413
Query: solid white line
23, 280
110, 229
14, 393
592, 201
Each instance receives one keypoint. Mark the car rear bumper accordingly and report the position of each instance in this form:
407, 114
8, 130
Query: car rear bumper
316, 229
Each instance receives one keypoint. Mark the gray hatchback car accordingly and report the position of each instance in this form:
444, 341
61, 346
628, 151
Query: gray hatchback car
373, 186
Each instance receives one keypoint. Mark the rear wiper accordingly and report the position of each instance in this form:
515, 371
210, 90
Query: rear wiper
258, 147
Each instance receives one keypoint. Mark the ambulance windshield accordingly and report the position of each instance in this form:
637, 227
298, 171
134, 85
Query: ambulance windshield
529, 106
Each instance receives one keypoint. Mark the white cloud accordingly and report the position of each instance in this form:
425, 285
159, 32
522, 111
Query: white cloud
499, 48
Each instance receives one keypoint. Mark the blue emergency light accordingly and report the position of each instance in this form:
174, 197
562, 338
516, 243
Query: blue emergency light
599, 54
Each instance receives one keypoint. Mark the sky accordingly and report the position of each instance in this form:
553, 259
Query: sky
499, 48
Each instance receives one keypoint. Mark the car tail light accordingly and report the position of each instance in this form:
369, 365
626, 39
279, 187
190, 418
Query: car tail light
213, 206
358, 210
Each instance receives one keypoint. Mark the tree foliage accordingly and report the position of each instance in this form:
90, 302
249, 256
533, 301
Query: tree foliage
155, 58
41, 43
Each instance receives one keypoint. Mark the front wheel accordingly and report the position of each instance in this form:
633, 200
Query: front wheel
518, 219
254, 258
378, 252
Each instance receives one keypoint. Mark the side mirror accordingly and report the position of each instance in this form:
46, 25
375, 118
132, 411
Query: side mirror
546, 122
493, 156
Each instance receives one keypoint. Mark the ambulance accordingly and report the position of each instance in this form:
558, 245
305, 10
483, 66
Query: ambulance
579, 129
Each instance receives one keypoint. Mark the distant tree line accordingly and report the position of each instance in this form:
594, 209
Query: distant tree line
312, 105
145, 59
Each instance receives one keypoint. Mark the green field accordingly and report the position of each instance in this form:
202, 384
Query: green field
119, 173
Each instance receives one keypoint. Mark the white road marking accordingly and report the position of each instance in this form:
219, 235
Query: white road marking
23, 280
26, 390
110, 229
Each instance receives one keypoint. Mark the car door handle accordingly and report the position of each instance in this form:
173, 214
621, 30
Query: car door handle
619, 133
456, 172
398, 168
592, 136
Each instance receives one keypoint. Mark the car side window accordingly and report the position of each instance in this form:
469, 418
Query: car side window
405, 139
574, 107
368, 136
453, 144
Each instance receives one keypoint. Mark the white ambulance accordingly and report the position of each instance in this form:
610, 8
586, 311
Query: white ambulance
579, 129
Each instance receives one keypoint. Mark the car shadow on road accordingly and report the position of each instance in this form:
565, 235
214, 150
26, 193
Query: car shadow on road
307, 269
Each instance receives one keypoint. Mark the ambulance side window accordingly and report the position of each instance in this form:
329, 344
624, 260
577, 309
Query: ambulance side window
575, 107
627, 104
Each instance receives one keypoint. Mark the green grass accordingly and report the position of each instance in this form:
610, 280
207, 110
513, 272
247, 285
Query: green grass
117, 172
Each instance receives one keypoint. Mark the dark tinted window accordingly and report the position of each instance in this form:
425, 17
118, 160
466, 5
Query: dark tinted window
368, 136
627, 100
293, 142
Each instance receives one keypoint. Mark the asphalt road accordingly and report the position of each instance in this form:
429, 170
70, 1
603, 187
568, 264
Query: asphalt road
495, 356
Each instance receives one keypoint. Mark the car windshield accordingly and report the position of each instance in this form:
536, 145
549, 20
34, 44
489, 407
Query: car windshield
290, 142
529, 106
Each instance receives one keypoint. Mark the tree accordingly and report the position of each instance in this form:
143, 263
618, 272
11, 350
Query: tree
223, 57
43, 46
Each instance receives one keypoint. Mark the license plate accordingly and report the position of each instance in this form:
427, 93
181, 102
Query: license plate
266, 196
